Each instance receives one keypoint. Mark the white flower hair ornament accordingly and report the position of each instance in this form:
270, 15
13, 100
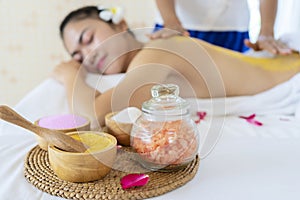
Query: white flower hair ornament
113, 14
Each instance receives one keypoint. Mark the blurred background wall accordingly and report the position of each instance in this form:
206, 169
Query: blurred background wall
30, 46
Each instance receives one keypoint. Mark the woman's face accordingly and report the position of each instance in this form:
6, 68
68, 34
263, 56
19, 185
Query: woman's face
97, 45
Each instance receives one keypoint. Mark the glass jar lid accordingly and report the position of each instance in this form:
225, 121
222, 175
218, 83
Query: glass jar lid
165, 101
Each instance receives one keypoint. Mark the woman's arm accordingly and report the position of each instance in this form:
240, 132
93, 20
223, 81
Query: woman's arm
268, 10
172, 25
266, 40
80, 96
168, 13
133, 90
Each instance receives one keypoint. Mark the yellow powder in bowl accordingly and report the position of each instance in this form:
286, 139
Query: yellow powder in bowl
96, 142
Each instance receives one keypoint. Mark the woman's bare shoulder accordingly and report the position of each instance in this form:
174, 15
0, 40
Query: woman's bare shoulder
169, 51
180, 45
172, 41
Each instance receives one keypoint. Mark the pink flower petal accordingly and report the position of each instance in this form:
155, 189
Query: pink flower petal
201, 116
250, 119
257, 123
134, 180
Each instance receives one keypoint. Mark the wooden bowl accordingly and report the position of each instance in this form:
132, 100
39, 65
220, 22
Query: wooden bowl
84, 167
84, 125
120, 130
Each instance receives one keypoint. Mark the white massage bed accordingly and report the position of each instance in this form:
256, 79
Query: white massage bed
246, 161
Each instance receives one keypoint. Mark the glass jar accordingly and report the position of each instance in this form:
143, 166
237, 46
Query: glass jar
165, 137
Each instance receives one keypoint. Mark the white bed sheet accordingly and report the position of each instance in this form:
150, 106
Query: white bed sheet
247, 162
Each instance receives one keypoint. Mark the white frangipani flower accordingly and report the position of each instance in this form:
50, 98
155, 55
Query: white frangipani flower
115, 14
106, 15
118, 14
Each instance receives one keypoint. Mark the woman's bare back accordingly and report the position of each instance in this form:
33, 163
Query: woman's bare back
203, 70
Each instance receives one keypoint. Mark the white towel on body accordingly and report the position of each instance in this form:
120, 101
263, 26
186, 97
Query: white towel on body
283, 99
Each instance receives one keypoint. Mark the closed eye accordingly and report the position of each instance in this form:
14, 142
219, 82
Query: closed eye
86, 37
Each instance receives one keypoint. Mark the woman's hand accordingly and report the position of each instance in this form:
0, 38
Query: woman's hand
168, 32
268, 43
68, 71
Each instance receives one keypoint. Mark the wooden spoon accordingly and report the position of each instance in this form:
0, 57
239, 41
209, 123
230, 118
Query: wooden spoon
57, 138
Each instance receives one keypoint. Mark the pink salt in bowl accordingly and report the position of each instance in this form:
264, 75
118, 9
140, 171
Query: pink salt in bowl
64, 122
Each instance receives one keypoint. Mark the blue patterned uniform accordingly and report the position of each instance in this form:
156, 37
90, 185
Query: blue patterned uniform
221, 22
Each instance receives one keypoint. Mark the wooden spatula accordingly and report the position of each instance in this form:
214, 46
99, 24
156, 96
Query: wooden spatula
57, 138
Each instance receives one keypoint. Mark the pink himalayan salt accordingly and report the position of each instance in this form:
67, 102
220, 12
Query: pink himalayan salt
66, 121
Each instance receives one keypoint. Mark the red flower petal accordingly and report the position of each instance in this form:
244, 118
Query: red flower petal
256, 123
133, 180
201, 116
250, 119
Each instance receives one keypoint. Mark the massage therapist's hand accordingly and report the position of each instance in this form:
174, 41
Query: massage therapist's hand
268, 43
68, 71
169, 31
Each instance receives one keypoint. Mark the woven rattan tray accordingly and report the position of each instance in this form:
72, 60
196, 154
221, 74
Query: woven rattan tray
39, 173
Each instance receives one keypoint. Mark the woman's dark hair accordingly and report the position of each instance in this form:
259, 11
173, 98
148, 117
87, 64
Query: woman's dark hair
81, 13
